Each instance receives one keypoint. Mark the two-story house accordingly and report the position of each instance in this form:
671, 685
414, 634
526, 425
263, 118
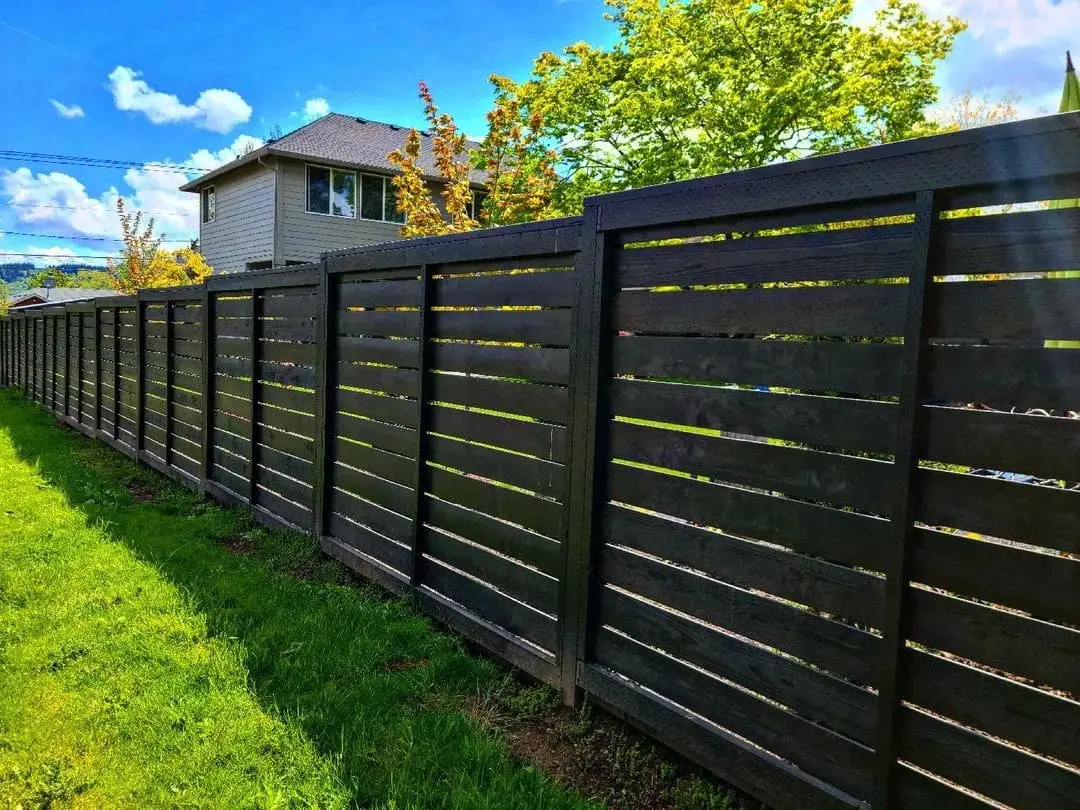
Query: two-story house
322, 187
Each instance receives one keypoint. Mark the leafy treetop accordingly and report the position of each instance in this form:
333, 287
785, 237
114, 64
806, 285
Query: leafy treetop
708, 86
143, 264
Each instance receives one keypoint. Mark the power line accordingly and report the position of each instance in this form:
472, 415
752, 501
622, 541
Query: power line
60, 259
81, 160
86, 207
81, 238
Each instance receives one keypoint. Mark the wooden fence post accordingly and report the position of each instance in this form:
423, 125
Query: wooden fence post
256, 312
420, 482
140, 411
590, 344
207, 460
116, 373
325, 388
168, 380
97, 366
55, 354
910, 435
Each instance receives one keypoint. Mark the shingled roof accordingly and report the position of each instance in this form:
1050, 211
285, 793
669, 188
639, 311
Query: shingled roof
341, 140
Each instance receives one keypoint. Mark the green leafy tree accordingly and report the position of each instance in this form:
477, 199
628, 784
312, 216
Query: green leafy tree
61, 278
5, 294
702, 87
92, 280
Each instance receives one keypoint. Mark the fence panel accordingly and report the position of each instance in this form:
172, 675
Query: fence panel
782, 466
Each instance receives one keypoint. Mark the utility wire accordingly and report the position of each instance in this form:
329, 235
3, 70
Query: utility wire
81, 160
81, 238
86, 207
59, 259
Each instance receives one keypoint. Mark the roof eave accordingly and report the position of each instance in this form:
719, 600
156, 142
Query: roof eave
243, 160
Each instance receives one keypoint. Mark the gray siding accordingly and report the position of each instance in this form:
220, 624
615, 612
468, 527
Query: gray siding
243, 230
305, 237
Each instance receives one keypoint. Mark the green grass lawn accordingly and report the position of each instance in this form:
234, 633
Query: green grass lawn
157, 650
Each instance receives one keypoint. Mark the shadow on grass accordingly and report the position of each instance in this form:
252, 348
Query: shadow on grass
368, 679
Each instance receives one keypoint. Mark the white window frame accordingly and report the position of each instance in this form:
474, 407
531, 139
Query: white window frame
330, 207
474, 209
204, 192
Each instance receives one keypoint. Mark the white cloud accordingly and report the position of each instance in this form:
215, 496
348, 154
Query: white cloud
66, 111
1001, 25
316, 108
215, 109
51, 256
59, 204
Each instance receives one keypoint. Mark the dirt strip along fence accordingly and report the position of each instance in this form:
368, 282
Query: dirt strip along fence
779, 465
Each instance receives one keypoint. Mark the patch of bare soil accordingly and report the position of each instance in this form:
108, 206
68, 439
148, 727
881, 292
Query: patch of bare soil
237, 545
607, 760
140, 492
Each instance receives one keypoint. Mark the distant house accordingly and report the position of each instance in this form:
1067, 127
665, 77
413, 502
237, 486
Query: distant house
322, 187
39, 296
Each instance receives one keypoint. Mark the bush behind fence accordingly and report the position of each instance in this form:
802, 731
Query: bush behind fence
707, 454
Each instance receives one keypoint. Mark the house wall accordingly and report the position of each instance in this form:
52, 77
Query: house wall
305, 236
243, 230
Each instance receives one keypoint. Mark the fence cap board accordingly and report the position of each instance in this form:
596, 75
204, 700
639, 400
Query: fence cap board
976, 158
513, 241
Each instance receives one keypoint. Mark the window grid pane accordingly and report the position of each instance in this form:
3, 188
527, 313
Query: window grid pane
371, 196
390, 203
318, 190
343, 200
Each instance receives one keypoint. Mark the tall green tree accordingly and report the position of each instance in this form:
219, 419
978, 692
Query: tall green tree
699, 87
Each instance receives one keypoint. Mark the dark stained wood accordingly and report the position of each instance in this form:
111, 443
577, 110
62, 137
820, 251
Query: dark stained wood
380, 491
746, 766
1009, 709
399, 469
914, 789
395, 381
547, 402
833, 534
393, 410
526, 472
1039, 515
540, 439
998, 639
855, 253
856, 424
811, 693
999, 771
379, 350
373, 544
1021, 310
490, 604
529, 547
838, 479
298, 516
532, 364
818, 751
379, 323
1045, 446
550, 327
381, 435
537, 514
371, 294
834, 589
1016, 242
870, 369
1044, 585
1003, 377
543, 289
862, 311
838, 648
523, 584
366, 513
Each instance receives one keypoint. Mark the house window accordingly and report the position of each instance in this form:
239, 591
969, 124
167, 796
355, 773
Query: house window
331, 192
476, 204
378, 199
209, 204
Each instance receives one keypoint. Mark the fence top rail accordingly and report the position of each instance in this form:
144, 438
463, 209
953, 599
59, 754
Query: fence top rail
553, 236
157, 294
1009, 157
295, 276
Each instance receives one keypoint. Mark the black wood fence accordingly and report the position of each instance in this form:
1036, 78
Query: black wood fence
750, 460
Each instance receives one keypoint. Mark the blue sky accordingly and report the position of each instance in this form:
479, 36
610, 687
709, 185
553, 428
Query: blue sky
191, 83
